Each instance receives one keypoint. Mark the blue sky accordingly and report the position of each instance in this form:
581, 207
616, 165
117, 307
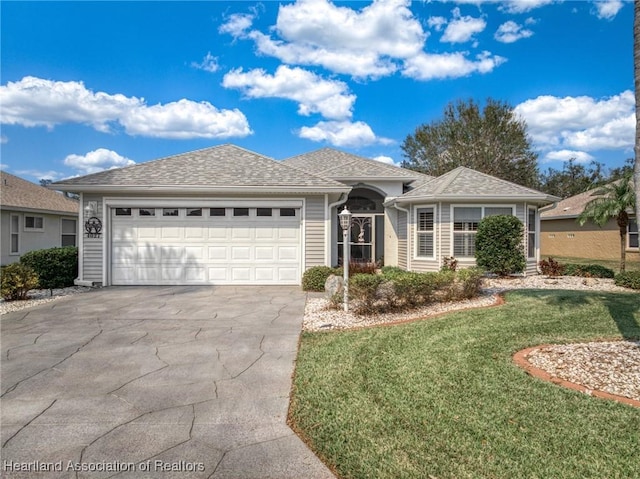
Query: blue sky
92, 85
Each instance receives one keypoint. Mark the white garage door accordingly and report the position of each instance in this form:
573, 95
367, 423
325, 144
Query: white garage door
228, 245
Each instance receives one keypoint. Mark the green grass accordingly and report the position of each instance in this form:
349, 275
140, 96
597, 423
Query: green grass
443, 398
631, 264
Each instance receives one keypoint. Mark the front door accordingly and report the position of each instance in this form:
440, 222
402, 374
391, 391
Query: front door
363, 238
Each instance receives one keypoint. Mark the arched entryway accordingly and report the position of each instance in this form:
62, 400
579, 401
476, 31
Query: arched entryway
367, 226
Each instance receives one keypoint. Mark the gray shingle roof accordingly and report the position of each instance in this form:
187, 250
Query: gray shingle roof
466, 183
22, 194
338, 164
224, 166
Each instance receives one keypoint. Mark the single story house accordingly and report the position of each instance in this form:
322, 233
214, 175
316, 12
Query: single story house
33, 217
226, 215
563, 236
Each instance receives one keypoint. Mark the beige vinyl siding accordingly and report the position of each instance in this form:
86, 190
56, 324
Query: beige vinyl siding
402, 239
92, 247
444, 215
314, 232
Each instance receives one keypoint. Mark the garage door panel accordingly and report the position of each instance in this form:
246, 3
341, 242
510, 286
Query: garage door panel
207, 250
265, 253
241, 274
265, 274
171, 253
240, 253
288, 253
218, 252
171, 232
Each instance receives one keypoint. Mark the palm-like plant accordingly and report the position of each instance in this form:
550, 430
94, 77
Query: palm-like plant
612, 201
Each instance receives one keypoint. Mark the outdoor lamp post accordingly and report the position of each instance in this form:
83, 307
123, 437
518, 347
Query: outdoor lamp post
345, 224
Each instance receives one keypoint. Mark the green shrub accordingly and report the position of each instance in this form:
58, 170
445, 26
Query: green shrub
469, 281
56, 267
389, 271
314, 278
628, 279
588, 270
414, 289
363, 292
550, 267
16, 281
499, 245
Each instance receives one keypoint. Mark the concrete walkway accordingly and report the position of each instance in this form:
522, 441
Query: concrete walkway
157, 382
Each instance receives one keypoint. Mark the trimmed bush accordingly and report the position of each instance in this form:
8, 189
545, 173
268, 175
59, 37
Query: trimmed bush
362, 292
588, 270
56, 267
390, 271
499, 245
314, 278
628, 279
550, 267
414, 289
16, 281
469, 281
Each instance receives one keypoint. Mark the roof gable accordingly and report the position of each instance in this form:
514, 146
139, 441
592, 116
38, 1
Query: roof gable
19, 193
570, 207
224, 166
466, 183
337, 164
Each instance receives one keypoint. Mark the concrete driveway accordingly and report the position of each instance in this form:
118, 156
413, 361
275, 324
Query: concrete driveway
184, 382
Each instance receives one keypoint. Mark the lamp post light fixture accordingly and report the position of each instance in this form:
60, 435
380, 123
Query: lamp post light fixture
345, 224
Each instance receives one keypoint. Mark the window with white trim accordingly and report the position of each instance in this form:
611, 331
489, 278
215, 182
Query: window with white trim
14, 228
425, 238
465, 226
34, 223
69, 232
632, 234
531, 232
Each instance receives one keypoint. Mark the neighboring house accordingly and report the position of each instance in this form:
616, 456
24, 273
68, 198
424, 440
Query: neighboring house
225, 215
562, 235
34, 217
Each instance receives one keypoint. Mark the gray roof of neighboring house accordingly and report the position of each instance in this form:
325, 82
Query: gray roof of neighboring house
19, 194
466, 184
338, 164
569, 207
219, 168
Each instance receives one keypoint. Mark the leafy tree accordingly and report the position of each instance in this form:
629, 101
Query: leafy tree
573, 179
45, 182
621, 171
491, 139
499, 245
612, 201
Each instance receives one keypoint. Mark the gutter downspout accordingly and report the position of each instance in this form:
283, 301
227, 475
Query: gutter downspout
395, 205
328, 245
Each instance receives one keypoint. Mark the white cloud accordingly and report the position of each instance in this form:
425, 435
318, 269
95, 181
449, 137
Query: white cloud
361, 43
581, 122
566, 155
209, 63
521, 6
4, 166
4, 139
462, 29
185, 119
97, 160
37, 102
385, 159
449, 65
237, 24
342, 133
437, 23
608, 9
510, 32
330, 98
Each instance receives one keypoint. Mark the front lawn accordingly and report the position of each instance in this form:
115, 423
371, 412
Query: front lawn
631, 263
442, 398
